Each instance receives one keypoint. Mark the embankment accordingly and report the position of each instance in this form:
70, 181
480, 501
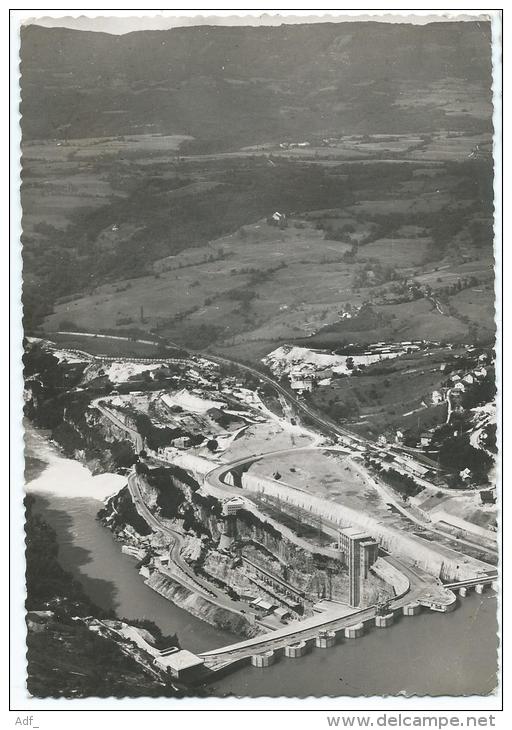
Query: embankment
200, 607
434, 558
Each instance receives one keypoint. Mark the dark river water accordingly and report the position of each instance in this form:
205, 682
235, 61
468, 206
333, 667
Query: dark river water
430, 654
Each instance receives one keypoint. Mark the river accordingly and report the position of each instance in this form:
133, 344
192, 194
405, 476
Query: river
431, 654
69, 498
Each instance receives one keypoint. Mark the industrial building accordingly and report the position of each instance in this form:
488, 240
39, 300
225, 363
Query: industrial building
360, 551
182, 663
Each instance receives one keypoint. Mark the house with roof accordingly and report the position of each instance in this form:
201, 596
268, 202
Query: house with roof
301, 381
181, 663
277, 219
480, 372
263, 605
437, 397
232, 506
465, 474
283, 614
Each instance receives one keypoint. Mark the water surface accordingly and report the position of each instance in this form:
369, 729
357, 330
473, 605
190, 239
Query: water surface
430, 654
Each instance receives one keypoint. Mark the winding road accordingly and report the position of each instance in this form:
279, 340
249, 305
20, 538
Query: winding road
181, 571
215, 476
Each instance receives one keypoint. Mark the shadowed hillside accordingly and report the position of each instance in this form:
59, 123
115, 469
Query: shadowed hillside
243, 85
153, 160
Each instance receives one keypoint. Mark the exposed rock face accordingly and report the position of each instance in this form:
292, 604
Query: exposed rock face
437, 560
200, 607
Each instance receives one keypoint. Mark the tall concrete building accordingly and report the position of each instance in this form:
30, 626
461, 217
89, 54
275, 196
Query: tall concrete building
230, 507
360, 551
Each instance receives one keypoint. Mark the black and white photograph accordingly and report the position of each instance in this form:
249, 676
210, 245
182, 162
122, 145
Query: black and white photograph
261, 363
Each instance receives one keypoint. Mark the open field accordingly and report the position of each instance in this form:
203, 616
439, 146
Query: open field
336, 478
421, 319
450, 272
399, 252
266, 437
59, 151
105, 345
254, 277
319, 472
60, 177
477, 305
257, 285
434, 147
389, 395
108, 210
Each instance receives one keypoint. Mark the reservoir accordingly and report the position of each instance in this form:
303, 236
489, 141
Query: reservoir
430, 654
87, 549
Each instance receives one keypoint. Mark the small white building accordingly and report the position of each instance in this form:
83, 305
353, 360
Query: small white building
301, 383
469, 379
480, 373
278, 218
182, 663
262, 604
460, 386
465, 474
437, 397
266, 606
181, 442
232, 506
282, 614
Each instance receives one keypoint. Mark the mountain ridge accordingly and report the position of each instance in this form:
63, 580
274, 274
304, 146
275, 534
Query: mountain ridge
254, 83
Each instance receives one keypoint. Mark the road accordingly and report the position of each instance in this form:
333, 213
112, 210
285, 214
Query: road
422, 587
485, 580
139, 441
332, 428
290, 634
450, 404
181, 570
96, 335
322, 421
215, 479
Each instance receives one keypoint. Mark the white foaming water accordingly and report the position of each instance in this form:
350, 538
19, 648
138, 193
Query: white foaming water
67, 477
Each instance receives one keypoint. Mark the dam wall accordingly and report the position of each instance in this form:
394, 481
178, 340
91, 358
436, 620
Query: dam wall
440, 515
392, 576
432, 557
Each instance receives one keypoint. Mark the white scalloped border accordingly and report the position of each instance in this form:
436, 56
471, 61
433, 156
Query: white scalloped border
21, 701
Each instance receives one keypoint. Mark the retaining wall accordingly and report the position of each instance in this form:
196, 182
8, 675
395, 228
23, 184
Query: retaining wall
434, 559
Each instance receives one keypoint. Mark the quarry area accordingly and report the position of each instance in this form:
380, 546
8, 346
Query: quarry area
257, 513
261, 354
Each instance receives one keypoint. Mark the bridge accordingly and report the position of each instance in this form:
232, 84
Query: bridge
423, 590
479, 583
274, 580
